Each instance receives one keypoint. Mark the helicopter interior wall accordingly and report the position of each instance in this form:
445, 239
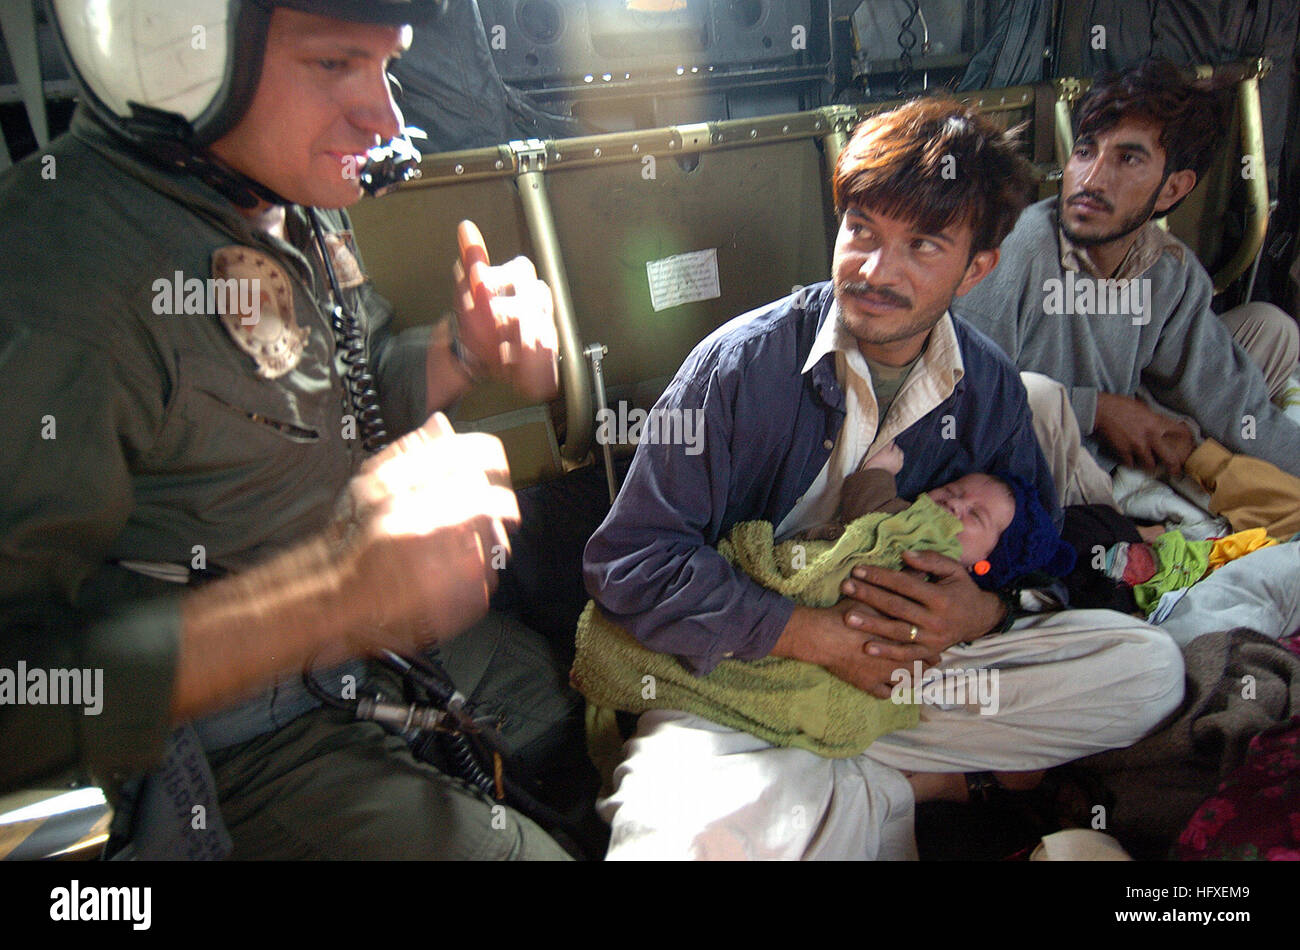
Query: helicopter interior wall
763, 208
1202, 220
451, 89
1116, 34
1015, 48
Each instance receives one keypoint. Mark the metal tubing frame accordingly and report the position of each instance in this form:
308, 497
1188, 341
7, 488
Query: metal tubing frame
530, 159
1067, 92
596, 353
528, 163
1252, 149
18, 33
500, 161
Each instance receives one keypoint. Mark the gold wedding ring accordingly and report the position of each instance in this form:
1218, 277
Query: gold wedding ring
911, 634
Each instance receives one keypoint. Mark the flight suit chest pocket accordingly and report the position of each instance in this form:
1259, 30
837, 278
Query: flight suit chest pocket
223, 415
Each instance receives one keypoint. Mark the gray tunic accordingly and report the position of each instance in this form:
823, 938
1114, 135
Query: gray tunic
1180, 350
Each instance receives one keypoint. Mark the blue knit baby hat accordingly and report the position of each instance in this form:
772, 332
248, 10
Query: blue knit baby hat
1030, 544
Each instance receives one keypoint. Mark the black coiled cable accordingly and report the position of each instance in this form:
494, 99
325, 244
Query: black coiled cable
465, 764
350, 338
473, 744
351, 341
460, 745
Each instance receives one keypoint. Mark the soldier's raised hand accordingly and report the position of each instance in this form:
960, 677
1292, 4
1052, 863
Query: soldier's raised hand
506, 317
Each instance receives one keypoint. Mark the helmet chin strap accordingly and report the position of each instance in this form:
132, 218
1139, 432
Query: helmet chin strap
164, 138
238, 188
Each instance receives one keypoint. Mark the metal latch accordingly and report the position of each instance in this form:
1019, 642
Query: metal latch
530, 155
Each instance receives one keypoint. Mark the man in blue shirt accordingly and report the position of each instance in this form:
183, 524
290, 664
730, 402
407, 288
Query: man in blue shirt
791, 399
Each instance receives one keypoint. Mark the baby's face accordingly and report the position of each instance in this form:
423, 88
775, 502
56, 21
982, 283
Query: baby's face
985, 507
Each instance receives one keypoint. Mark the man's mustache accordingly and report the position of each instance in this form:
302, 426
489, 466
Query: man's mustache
862, 288
1091, 196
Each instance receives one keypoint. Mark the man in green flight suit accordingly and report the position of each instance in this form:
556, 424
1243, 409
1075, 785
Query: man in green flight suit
188, 347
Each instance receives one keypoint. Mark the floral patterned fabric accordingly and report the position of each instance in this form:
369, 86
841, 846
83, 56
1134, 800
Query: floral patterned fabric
1255, 815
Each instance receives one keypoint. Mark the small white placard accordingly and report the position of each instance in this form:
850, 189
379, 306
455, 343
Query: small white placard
683, 278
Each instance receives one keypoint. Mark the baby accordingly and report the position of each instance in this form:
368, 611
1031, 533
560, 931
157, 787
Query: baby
1006, 533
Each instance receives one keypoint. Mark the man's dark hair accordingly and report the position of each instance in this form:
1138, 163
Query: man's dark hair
937, 162
1191, 114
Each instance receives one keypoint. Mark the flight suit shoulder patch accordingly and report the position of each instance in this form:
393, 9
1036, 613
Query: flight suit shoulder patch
343, 255
268, 330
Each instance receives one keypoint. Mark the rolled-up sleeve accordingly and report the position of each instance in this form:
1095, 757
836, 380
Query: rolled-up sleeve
72, 417
126, 661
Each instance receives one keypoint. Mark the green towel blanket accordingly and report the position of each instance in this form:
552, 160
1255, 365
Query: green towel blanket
784, 702
1179, 563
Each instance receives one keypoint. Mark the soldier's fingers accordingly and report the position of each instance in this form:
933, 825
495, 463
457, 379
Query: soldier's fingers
505, 279
463, 295
443, 464
537, 329
525, 320
490, 456
437, 426
517, 271
473, 249
487, 294
485, 510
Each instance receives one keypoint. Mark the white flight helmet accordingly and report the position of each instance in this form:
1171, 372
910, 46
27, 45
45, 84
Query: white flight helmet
194, 60
172, 76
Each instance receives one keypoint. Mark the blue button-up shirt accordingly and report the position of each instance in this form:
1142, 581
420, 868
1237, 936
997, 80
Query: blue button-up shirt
768, 430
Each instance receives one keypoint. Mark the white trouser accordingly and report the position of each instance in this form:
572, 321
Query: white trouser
1270, 338
1068, 684
1079, 479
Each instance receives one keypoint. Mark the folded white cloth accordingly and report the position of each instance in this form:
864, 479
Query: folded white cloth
1079, 844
